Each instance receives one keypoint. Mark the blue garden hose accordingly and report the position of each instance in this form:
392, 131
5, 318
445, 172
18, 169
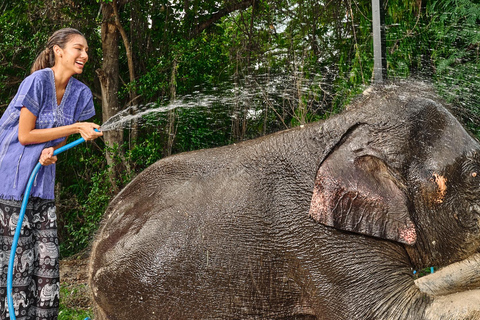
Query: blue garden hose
21, 215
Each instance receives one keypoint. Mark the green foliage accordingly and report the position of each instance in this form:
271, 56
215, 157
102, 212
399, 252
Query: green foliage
145, 152
201, 61
82, 220
16, 54
455, 55
68, 296
82, 200
73, 314
200, 129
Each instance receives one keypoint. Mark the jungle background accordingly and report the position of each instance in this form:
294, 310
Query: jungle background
225, 71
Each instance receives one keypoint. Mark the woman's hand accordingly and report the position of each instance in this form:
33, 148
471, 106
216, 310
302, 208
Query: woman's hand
87, 130
46, 157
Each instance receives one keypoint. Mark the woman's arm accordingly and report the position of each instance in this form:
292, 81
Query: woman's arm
27, 134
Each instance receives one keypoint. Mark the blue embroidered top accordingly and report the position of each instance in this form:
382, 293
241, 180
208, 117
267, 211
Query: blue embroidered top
37, 93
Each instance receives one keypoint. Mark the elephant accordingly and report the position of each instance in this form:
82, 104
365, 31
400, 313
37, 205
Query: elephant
19, 299
13, 221
48, 294
327, 220
27, 258
47, 253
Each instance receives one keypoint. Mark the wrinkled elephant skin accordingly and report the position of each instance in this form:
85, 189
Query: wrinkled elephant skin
324, 221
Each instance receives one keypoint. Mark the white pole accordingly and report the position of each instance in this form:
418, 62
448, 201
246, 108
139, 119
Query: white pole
380, 61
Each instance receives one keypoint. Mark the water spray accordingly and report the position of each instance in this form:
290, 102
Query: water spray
21, 215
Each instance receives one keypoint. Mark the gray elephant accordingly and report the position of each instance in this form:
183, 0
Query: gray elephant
47, 253
48, 294
19, 299
14, 221
324, 221
27, 258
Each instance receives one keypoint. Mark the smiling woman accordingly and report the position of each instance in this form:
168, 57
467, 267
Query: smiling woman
46, 109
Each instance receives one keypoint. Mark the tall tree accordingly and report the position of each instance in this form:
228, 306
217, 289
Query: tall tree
109, 82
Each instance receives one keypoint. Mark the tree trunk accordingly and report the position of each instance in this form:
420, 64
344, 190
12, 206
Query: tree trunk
109, 75
131, 67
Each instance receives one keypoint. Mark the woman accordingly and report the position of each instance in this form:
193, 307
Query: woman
46, 109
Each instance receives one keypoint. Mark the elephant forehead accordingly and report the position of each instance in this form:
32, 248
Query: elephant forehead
448, 147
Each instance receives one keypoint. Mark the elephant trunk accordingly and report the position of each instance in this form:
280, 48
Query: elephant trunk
459, 276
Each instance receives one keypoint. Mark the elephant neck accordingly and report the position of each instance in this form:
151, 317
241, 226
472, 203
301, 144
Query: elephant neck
311, 144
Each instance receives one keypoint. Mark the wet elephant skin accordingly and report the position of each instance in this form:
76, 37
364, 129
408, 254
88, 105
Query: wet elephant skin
324, 221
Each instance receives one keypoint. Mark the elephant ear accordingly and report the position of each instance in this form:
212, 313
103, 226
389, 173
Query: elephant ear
362, 195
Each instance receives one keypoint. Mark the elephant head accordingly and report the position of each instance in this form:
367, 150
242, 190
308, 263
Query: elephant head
411, 175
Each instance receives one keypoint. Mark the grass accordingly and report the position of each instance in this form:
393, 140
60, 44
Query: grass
71, 314
72, 303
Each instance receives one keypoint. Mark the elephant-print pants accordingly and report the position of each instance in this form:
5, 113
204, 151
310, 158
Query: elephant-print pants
36, 282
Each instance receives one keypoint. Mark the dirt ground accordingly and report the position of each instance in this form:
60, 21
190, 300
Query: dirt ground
73, 279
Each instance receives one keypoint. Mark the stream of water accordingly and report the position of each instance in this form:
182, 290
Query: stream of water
253, 97
249, 99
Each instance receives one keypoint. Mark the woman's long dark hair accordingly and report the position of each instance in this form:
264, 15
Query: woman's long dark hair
46, 58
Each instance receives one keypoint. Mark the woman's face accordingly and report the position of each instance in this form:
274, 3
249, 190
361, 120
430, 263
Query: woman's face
73, 56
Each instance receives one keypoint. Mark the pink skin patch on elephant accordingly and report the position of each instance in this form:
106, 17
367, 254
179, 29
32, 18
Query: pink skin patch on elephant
318, 207
408, 235
441, 182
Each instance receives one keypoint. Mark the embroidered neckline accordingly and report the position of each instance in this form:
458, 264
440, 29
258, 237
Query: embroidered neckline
59, 117
55, 89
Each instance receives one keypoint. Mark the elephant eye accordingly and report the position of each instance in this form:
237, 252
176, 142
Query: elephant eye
474, 179
470, 168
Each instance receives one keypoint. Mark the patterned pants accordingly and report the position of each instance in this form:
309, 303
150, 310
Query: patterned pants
36, 284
